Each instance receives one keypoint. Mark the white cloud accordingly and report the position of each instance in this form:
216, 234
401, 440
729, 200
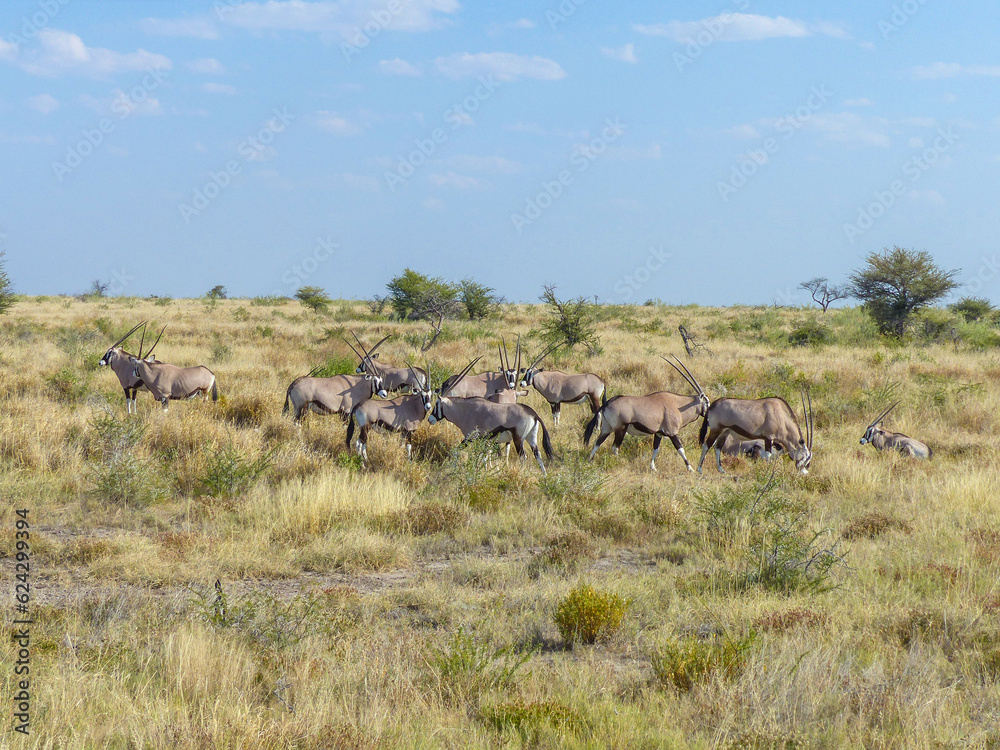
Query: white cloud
62, 52
398, 67
625, 54
939, 70
526, 127
739, 27
44, 103
492, 164
345, 18
862, 102
851, 128
218, 88
518, 25
208, 66
336, 124
624, 153
743, 131
505, 66
457, 181
197, 28
361, 182
124, 104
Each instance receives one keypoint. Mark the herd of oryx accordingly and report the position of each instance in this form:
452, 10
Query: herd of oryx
486, 405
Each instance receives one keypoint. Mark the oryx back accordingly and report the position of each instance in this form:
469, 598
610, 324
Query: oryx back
338, 394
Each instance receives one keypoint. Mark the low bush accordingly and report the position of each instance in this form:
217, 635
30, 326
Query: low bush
587, 615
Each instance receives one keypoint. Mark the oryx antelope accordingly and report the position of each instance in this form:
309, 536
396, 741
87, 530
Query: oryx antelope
897, 441
660, 414
402, 415
481, 417
733, 446
770, 419
481, 385
171, 383
558, 387
120, 363
338, 394
393, 378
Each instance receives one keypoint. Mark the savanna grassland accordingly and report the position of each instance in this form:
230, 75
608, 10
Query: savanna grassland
419, 604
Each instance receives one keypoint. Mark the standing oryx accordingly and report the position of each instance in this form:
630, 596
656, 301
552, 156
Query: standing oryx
560, 388
883, 439
334, 395
771, 419
171, 383
481, 385
660, 414
393, 378
481, 417
402, 414
120, 362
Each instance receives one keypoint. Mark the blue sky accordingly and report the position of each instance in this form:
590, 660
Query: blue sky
705, 152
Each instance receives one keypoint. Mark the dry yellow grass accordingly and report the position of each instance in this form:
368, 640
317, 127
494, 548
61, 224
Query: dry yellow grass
344, 586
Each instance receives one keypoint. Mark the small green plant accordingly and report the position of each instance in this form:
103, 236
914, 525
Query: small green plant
683, 663
7, 296
270, 300
217, 292
67, 385
465, 667
587, 615
571, 321
810, 333
527, 718
265, 331
336, 365
229, 473
241, 314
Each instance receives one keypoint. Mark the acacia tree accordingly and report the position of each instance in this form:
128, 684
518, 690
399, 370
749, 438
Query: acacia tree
897, 283
7, 298
313, 297
571, 321
822, 293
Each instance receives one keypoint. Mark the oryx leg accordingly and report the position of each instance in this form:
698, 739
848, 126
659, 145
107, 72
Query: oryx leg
657, 437
128, 402
713, 439
680, 449
597, 444
768, 446
532, 439
619, 437
556, 409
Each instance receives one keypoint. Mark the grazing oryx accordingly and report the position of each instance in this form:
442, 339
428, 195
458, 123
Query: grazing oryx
560, 388
172, 383
402, 414
393, 378
335, 395
771, 419
480, 417
883, 439
120, 362
660, 414
481, 385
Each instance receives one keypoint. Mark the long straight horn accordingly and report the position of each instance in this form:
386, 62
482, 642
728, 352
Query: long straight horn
694, 380
371, 352
143, 339
462, 374
504, 359
812, 422
883, 415
517, 357
545, 352
122, 339
359, 355
687, 379
146, 355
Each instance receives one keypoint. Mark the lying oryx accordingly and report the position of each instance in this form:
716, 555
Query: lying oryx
558, 387
883, 439
120, 362
334, 395
171, 383
402, 415
660, 414
733, 446
393, 378
481, 417
770, 419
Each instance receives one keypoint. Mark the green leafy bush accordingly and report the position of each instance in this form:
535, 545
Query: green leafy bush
465, 667
810, 333
587, 615
228, 472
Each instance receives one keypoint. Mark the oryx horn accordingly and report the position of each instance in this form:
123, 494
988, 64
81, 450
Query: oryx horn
883, 415
685, 373
122, 339
462, 374
146, 356
807, 415
545, 352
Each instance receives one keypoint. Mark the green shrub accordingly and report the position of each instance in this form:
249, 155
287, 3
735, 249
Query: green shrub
314, 298
527, 718
810, 333
270, 300
683, 663
587, 615
336, 365
67, 385
465, 667
972, 308
229, 473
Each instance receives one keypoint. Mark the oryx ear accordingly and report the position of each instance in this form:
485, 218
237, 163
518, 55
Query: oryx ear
374, 356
